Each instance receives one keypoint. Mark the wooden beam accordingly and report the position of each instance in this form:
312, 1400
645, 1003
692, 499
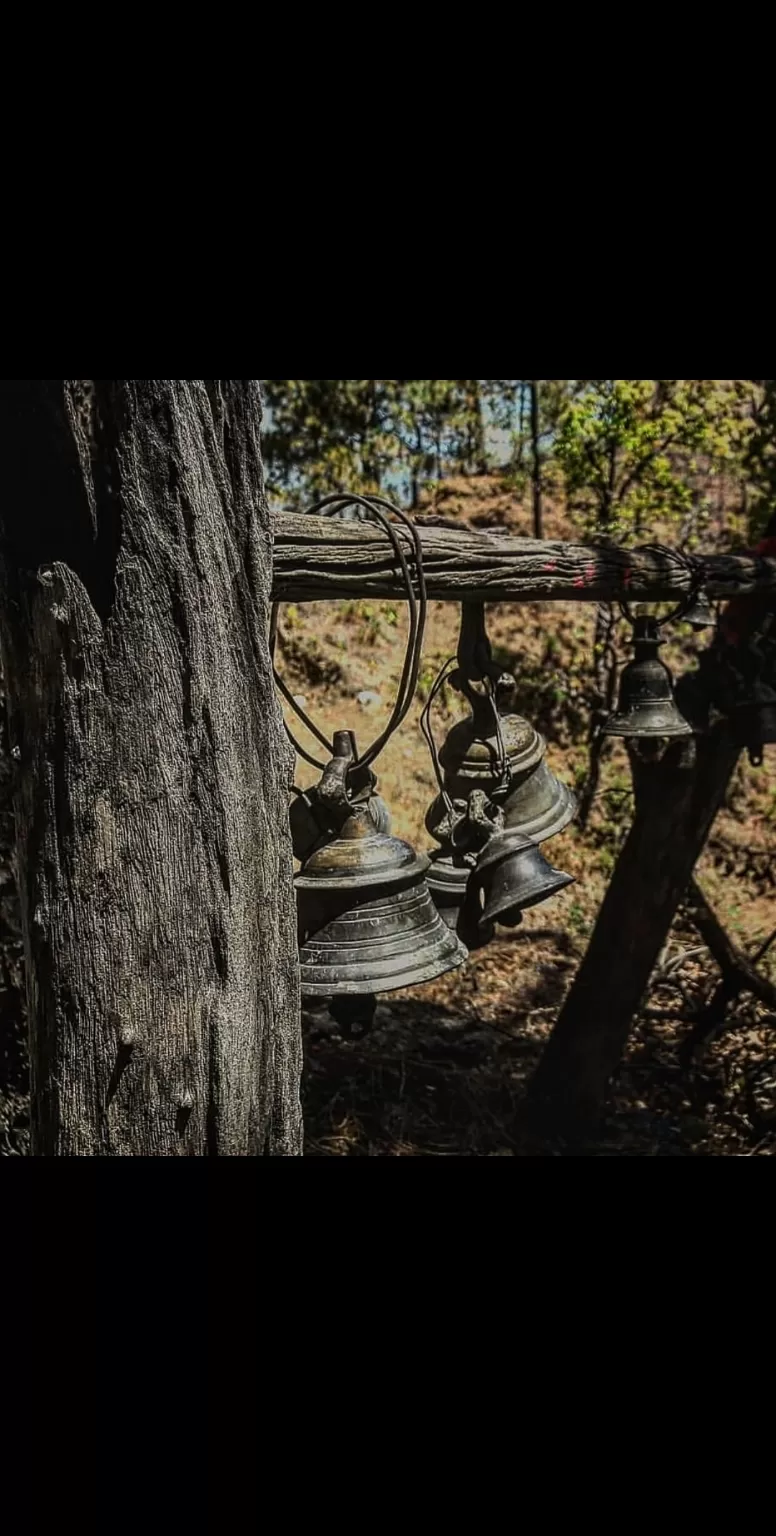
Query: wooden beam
322, 557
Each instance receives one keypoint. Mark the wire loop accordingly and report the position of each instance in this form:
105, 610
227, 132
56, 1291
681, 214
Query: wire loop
377, 507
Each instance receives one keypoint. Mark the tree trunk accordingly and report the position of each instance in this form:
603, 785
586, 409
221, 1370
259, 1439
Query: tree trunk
536, 465
151, 769
676, 802
478, 461
521, 428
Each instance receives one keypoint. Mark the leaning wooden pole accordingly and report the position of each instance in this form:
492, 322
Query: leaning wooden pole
676, 802
676, 799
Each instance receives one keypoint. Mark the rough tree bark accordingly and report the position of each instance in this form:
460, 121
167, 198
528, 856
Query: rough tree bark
677, 799
151, 769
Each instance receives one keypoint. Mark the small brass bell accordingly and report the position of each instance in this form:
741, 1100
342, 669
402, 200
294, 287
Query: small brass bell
646, 706
513, 874
700, 614
366, 920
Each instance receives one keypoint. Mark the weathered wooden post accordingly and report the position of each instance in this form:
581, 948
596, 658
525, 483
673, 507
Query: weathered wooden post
677, 799
151, 769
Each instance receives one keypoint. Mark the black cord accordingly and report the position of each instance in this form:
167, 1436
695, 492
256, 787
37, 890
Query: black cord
691, 563
329, 506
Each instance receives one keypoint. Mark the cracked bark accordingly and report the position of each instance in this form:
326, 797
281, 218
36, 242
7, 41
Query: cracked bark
151, 769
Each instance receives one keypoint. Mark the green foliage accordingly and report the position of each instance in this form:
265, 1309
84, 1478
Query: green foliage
628, 453
631, 449
760, 455
324, 435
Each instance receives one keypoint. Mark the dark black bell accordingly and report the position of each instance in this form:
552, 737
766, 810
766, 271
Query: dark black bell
646, 707
701, 614
512, 874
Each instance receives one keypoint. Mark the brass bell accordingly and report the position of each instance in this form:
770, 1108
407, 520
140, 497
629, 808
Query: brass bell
365, 916
646, 706
535, 802
493, 775
700, 614
513, 874
490, 743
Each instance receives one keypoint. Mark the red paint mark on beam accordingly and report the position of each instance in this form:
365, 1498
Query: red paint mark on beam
552, 565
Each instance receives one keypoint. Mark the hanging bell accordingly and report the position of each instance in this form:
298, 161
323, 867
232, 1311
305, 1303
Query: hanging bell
535, 802
513, 874
366, 920
646, 706
493, 775
700, 614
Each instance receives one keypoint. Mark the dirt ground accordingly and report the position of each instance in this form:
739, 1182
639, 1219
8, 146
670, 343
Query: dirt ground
444, 1067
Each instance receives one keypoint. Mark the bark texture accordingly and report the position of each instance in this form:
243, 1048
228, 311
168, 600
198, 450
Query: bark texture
320, 557
677, 799
151, 769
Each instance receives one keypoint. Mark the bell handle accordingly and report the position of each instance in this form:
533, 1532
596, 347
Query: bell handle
475, 657
332, 791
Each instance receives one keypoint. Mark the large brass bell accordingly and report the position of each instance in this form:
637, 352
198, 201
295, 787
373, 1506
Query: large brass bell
513, 874
492, 758
496, 750
534, 800
366, 920
646, 707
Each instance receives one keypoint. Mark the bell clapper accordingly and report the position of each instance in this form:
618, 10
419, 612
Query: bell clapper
354, 1015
